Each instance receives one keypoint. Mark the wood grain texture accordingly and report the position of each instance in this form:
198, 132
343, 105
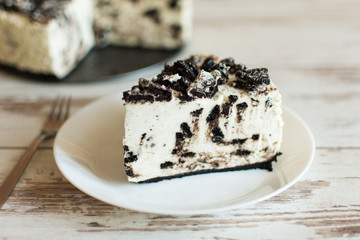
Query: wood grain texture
321, 205
312, 49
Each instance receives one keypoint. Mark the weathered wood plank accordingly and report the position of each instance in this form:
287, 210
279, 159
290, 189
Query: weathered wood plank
312, 49
322, 204
21, 119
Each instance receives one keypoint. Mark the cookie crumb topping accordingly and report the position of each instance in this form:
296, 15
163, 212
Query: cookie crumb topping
198, 77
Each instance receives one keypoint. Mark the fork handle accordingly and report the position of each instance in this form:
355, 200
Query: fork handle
10, 181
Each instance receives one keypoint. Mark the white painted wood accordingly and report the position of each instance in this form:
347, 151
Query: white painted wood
322, 204
312, 49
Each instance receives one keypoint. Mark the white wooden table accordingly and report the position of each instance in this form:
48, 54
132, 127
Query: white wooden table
312, 49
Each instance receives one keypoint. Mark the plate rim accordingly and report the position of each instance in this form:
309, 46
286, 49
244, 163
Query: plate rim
183, 212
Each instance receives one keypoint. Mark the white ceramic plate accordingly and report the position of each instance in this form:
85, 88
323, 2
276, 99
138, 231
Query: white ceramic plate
88, 151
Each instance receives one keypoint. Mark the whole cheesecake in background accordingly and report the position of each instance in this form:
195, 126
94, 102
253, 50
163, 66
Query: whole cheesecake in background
51, 37
200, 115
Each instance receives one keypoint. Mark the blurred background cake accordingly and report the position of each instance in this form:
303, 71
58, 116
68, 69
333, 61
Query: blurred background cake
52, 37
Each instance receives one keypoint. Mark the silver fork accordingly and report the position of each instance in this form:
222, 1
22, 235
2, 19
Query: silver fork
58, 114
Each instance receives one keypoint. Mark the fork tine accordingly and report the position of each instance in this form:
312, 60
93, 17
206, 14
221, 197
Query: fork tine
67, 107
60, 107
53, 108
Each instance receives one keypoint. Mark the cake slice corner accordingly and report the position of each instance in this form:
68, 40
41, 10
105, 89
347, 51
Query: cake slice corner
200, 115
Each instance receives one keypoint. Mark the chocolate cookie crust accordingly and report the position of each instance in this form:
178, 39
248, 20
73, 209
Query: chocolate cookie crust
262, 165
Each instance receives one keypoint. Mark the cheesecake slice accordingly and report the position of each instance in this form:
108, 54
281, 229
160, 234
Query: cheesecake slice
201, 115
45, 37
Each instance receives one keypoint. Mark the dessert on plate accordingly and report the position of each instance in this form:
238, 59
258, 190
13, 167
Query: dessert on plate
51, 37
200, 115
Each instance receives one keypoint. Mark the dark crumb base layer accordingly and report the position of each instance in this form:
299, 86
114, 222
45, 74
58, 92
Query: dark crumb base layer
267, 165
